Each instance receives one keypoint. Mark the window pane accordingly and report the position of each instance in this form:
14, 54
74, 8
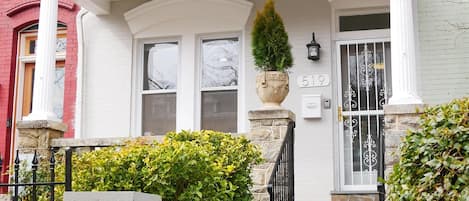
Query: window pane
219, 110
159, 113
364, 22
60, 46
160, 66
220, 62
58, 92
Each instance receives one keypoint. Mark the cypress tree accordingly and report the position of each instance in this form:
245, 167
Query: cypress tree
270, 46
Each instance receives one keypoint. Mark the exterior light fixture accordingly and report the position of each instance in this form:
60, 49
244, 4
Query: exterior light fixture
313, 49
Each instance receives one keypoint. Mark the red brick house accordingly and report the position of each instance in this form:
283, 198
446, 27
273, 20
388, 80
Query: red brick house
18, 34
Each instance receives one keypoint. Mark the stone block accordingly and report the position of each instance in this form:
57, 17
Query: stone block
261, 197
259, 189
5, 197
281, 122
271, 114
261, 134
355, 197
270, 150
391, 156
280, 133
392, 140
390, 122
404, 109
110, 196
408, 122
259, 176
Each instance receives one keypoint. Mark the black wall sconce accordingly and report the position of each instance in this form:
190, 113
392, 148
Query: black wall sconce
313, 49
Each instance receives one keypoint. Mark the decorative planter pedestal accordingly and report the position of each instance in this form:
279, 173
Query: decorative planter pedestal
272, 87
110, 196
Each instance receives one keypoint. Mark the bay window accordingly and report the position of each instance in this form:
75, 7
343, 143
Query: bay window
199, 84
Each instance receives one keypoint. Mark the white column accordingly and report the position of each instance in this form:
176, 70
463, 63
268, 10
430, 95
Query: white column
44, 75
403, 56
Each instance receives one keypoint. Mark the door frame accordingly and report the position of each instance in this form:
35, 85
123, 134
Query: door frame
340, 130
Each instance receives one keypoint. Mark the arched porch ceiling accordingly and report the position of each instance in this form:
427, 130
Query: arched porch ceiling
171, 17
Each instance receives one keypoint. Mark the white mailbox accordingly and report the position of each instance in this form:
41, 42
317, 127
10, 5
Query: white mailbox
311, 106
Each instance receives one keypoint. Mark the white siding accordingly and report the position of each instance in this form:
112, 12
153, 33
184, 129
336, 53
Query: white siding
107, 73
314, 165
444, 50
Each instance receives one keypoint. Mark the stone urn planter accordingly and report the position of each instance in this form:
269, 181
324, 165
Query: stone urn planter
272, 87
272, 56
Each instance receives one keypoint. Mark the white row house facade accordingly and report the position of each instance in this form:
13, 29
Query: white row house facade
146, 67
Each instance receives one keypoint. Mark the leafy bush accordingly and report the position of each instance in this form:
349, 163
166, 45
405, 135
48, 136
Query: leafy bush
270, 46
434, 160
186, 166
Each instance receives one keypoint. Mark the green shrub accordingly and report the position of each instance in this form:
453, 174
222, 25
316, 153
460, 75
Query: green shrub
434, 160
186, 166
270, 46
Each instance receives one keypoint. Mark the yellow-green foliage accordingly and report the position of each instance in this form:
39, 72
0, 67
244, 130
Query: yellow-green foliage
186, 166
434, 160
270, 46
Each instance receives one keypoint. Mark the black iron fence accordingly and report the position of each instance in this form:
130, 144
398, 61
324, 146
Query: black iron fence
282, 181
34, 183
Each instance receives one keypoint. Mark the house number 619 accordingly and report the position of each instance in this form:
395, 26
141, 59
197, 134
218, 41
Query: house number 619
316, 80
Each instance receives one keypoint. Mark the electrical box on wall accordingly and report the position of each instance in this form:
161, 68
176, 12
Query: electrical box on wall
311, 106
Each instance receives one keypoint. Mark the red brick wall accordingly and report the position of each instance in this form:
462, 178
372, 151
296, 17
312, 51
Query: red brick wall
14, 16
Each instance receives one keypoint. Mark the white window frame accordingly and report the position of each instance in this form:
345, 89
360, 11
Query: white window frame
338, 39
139, 92
199, 66
358, 35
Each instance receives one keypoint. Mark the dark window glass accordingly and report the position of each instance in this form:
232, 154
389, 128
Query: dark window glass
364, 22
219, 110
159, 113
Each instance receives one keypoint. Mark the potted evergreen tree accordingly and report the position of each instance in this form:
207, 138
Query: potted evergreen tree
272, 56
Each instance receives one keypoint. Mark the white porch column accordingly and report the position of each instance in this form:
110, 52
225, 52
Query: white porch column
403, 56
45, 63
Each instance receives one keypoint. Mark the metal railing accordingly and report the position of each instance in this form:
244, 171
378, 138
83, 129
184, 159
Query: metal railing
282, 181
34, 183
381, 167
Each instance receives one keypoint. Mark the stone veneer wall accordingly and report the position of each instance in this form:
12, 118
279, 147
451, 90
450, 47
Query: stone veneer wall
268, 130
398, 119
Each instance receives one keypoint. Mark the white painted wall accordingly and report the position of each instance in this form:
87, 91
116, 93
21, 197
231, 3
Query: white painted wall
314, 166
107, 73
444, 50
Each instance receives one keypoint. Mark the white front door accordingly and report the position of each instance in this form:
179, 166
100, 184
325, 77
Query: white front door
364, 77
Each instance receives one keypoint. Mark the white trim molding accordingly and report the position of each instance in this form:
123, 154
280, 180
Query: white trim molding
172, 17
98, 7
348, 4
